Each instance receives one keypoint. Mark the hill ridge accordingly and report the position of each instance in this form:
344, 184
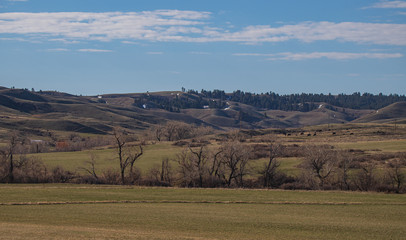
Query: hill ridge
47, 110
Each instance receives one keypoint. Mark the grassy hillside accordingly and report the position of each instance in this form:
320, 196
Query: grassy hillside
391, 113
37, 113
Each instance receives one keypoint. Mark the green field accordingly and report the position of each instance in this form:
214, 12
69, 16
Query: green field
155, 153
107, 158
116, 212
386, 146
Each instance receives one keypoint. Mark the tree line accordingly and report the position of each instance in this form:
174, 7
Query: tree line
231, 164
289, 102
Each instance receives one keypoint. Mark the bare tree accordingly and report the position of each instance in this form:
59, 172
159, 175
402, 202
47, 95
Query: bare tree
183, 131
395, 173
345, 162
158, 132
162, 175
215, 168
166, 171
269, 171
120, 143
186, 169
8, 157
199, 161
134, 153
365, 178
126, 156
235, 157
171, 131
321, 161
91, 169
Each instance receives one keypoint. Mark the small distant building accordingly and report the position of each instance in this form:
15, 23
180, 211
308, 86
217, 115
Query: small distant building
206, 107
100, 97
144, 106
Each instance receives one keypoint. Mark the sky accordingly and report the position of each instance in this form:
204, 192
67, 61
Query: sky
94, 47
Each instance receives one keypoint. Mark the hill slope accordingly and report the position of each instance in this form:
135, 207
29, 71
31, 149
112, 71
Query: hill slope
395, 111
43, 111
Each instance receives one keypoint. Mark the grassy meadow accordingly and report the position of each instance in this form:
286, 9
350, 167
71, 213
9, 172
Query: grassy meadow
352, 136
58, 211
68, 211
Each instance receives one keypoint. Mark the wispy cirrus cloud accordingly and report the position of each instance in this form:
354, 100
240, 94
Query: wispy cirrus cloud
389, 4
19, 39
187, 26
317, 55
200, 53
57, 50
94, 50
63, 40
155, 53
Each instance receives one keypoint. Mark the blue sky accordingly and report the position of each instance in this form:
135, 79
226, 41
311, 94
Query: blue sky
286, 46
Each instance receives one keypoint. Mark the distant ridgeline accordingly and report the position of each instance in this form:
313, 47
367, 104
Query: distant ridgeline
294, 102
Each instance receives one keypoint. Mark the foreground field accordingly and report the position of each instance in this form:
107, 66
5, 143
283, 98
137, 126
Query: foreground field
114, 212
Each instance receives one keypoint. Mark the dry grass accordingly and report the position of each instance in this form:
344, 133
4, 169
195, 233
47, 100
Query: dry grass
175, 213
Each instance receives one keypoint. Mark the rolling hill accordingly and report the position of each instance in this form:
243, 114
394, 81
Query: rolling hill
389, 114
39, 112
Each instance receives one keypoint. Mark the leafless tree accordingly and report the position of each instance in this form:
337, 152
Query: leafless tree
91, 169
365, 178
183, 131
8, 158
235, 157
134, 153
269, 170
31, 170
215, 168
158, 132
396, 174
170, 131
162, 175
345, 162
199, 161
186, 169
120, 143
166, 171
126, 156
321, 161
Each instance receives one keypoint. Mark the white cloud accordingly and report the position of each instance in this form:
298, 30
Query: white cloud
155, 53
389, 4
377, 33
129, 42
57, 50
187, 26
317, 55
20, 39
200, 53
63, 40
17, 0
94, 50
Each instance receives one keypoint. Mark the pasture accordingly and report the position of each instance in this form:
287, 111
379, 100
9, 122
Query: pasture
106, 158
58, 211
